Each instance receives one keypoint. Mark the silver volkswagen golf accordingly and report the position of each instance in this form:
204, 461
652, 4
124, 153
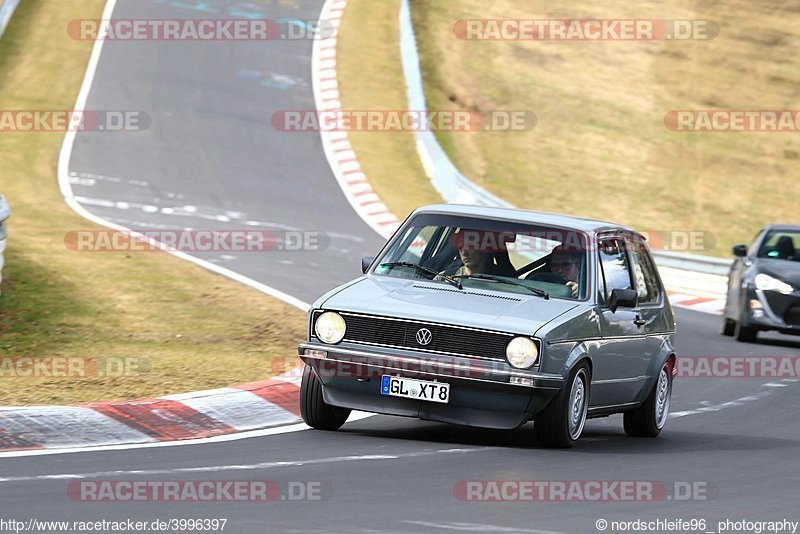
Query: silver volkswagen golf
494, 317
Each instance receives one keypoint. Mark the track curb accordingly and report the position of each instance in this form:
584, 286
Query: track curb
188, 416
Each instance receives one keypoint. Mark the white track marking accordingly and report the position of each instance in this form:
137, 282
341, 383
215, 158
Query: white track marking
477, 527
66, 187
354, 416
239, 467
706, 406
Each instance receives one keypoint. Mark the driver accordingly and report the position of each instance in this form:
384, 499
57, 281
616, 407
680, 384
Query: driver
474, 260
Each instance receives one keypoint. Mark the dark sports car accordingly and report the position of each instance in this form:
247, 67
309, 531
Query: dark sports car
764, 285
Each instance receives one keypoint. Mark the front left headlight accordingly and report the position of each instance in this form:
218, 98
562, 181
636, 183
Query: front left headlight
521, 352
765, 282
330, 328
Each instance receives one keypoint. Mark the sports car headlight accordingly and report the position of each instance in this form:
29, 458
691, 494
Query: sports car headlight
330, 328
521, 352
765, 282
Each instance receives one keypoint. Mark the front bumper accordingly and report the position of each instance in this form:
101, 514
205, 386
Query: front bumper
481, 391
777, 312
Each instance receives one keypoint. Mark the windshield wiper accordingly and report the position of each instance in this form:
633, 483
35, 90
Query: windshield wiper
536, 291
446, 277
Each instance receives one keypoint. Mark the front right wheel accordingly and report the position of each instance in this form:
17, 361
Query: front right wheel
648, 419
313, 409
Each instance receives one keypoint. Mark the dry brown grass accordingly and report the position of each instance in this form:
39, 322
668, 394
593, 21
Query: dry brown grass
600, 148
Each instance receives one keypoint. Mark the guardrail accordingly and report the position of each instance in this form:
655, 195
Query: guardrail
7, 8
457, 188
5, 213
692, 262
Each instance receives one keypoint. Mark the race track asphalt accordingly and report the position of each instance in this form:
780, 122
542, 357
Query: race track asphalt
210, 147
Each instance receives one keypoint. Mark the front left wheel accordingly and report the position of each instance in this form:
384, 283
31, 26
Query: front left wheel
648, 419
313, 409
561, 422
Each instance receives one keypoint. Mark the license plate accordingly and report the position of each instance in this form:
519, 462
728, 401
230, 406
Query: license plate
408, 388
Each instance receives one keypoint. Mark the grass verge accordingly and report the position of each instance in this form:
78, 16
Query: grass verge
186, 328
600, 148
370, 76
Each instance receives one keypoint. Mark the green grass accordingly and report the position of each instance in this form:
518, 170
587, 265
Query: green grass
600, 148
193, 329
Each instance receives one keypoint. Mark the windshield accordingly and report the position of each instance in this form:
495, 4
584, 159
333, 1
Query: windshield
780, 245
472, 253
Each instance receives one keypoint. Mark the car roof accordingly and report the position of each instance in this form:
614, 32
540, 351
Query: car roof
783, 227
537, 217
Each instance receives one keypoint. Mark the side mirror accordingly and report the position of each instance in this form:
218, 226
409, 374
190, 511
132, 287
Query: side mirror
366, 262
623, 298
740, 251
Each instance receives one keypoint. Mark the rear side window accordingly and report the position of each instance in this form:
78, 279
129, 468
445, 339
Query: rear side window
644, 273
614, 266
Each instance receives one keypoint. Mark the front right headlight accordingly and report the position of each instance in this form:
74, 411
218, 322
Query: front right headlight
521, 352
765, 282
330, 328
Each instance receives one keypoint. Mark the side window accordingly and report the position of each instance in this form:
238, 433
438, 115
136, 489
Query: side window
614, 265
645, 274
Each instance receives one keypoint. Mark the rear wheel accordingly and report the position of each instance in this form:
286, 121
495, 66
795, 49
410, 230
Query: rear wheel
314, 410
561, 422
648, 419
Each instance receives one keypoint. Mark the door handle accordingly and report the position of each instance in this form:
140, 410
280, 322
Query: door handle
639, 321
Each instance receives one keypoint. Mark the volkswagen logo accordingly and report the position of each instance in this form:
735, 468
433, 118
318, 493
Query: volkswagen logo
424, 336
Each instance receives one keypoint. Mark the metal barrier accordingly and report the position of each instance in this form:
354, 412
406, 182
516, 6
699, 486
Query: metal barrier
5, 213
7, 8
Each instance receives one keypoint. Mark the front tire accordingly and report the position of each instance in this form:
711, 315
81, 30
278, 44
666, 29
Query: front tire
313, 409
561, 422
648, 419
728, 326
746, 334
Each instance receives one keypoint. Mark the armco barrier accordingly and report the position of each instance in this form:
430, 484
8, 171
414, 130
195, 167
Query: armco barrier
457, 188
5, 213
7, 8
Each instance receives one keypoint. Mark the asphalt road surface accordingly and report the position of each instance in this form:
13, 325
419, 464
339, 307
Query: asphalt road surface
739, 452
210, 157
210, 148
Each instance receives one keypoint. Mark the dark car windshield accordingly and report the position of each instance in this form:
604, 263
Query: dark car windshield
780, 245
479, 253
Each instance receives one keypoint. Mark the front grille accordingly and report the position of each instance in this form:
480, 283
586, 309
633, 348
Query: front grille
792, 316
780, 304
445, 339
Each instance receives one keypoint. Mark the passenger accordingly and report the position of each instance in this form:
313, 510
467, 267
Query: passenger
567, 264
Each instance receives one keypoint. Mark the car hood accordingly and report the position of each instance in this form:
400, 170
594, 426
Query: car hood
442, 303
788, 271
